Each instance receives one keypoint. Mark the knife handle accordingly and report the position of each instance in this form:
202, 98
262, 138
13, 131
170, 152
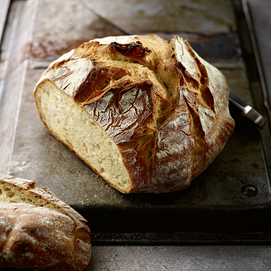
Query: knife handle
248, 111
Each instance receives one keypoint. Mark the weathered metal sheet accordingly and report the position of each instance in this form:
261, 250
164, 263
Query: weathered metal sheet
232, 195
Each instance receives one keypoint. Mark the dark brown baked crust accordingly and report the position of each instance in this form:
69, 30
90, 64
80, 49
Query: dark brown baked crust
165, 108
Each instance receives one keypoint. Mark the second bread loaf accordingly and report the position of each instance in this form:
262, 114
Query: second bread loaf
38, 231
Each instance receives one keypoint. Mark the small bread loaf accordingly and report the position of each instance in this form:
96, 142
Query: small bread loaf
147, 115
38, 231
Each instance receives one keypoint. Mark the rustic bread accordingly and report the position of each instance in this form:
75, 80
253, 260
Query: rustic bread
145, 114
38, 231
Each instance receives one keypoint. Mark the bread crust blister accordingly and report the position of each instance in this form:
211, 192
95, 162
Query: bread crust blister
161, 105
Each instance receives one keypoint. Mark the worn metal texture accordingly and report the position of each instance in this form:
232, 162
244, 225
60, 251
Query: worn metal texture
232, 195
208, 17
3, 15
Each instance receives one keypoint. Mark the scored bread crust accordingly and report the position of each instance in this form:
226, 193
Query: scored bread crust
160, 109
38, 230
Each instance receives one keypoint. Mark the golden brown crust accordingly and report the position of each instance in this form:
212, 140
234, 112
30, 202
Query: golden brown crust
176, 105
45, 234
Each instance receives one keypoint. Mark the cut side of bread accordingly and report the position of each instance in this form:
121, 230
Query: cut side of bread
38, 230
81, 134
146, 115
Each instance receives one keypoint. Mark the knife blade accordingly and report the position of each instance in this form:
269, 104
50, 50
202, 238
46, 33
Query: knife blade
248, 111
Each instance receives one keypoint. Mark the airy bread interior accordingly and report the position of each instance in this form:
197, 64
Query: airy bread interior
73, 126
15, 194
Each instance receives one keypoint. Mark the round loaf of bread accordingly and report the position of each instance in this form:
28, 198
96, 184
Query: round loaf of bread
39, 231
146, 114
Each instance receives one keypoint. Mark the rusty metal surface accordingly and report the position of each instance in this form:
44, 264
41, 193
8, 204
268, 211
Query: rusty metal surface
233, 194
135, 16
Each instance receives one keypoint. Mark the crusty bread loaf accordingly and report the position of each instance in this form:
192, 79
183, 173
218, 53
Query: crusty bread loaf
39, 231
145, 114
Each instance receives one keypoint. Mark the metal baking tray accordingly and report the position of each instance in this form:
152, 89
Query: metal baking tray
228, 203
